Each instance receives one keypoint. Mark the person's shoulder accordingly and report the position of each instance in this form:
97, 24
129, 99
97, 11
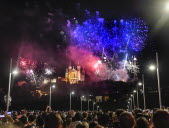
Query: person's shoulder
27, 126
30, 126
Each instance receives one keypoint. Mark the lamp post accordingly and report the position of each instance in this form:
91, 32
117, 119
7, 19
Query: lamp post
152, 67
88, 103
128, 105
130, 100
133, 102
97, 108
132, 95
93, 105
139, 84
144, 97
9, 85
71, 93
82, 102
134, 98
137, 98
50, 97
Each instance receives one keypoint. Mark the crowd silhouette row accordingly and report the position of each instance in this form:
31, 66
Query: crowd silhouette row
157, 118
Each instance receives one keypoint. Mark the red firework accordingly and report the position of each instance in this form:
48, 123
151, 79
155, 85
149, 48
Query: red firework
27, 63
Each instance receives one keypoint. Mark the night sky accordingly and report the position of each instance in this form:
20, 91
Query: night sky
26, 21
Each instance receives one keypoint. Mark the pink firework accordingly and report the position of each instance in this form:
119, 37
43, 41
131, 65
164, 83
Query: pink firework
27, 63
92, 64
97, 64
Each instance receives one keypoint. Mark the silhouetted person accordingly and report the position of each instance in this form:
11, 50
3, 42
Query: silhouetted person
127, 120
40, 122
161, 119
24, 120
76, 120
103, 120
80, 126
119, 112
85, 116
142, 122
52, 121
93, 124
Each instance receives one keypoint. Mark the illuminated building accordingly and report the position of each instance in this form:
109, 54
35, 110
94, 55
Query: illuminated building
74, 75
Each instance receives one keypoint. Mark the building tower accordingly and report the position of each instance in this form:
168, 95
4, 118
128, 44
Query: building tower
66, 75
78, 73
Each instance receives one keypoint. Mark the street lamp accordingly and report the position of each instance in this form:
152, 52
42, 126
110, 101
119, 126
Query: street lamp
152, 67
81, 102
15, 72
139, 84
167, 7
93, 106
71, 93
50, 97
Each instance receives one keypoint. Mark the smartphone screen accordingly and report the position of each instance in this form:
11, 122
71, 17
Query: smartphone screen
1, 116
9, 113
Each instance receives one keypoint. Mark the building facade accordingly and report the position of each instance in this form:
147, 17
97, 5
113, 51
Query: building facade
74, 74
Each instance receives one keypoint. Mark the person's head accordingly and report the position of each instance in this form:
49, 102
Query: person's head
138, 110
110, 115
78, 116
142, 122
52, 121
155, 109
68, 121
24, 119
71, 113
14, 115
23, 111
85, 115
31, 118
99, 126
93, 124
44, 115
85, 124
40, 121
161, 119
90, 117
103, 120
119, 112
80, 126
127, 120
138, 115
28, 114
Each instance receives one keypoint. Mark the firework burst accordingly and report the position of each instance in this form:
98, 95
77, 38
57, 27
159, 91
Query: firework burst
113, 43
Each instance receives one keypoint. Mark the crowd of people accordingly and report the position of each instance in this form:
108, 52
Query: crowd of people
157, 118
